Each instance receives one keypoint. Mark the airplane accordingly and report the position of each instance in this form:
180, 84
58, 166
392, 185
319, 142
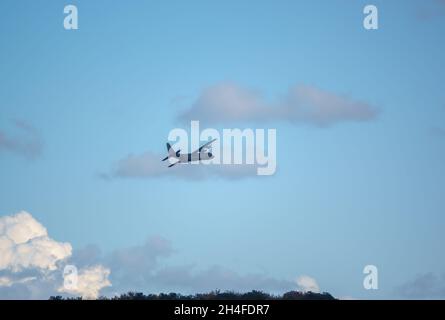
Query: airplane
203, 153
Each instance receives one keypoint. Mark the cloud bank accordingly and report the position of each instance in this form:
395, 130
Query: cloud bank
31, 263
37, 271
302, 104
145, 268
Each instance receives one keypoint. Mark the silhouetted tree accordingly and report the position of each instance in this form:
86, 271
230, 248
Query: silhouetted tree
214, 295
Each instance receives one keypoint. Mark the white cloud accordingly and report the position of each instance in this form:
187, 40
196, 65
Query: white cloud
89, 282
24, 243
306, 284
31, 263
228, 102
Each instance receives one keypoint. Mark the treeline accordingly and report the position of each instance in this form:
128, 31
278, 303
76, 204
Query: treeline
214, 295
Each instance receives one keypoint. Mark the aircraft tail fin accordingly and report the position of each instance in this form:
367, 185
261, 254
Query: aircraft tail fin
171, 152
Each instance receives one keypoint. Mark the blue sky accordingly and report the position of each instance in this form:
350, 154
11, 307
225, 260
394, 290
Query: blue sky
344, 196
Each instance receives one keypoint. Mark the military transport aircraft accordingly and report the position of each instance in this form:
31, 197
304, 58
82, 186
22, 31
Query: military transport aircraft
203, 153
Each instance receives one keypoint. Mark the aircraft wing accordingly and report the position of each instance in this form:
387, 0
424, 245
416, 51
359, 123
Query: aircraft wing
173, 164
205, 145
